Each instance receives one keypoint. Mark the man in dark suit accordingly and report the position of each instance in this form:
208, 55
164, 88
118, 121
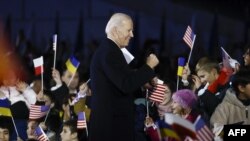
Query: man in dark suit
113, 83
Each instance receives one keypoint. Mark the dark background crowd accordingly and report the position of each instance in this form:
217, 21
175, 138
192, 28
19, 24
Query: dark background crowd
159, 26
27, 27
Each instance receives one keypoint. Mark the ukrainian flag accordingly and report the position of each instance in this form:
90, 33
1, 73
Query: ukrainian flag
5, 107
181, 64
167, 131
72, 64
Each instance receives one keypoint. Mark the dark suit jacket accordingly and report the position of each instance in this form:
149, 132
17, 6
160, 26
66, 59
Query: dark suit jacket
112, 84
60, 95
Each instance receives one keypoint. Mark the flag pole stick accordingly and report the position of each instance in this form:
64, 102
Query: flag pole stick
54, 48
42, 79
86, 130
14, 126
177, 83
190, 53
86, 124
42, 82
87, 81
71, 79
147, 102
46, 116
73, 75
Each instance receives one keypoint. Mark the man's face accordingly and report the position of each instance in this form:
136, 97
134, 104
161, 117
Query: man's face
124, 33
4, 134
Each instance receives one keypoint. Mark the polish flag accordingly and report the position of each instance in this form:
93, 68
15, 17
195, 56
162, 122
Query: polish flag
38, 64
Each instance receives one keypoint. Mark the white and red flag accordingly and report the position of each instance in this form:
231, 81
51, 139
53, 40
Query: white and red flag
38, 64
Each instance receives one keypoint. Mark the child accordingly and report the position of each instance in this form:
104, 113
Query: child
69, 131
5, 128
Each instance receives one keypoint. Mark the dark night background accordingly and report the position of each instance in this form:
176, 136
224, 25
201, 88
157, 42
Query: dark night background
159, 26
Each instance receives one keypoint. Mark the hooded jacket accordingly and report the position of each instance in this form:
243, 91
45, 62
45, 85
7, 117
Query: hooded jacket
230, 111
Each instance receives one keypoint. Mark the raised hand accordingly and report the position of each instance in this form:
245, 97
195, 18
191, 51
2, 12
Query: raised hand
21, 86
152, 61
56, 76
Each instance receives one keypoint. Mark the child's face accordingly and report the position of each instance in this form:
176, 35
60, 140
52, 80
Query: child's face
67, 77
47, 100
176, 108
245, 92
206, 76
31, 129
4, 134
66, 134
246, 57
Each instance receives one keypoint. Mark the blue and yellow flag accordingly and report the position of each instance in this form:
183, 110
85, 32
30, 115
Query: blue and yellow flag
181, 64
167, 131
5, 107
72, 64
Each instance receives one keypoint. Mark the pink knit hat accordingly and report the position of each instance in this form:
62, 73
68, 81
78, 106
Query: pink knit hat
185, 97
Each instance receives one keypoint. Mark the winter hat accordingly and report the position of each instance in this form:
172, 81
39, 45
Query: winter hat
185, 97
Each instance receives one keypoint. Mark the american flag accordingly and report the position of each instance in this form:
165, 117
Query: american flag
157, 93
41, 136
37, 111
81, 122
203, 133
78, 97
189, 37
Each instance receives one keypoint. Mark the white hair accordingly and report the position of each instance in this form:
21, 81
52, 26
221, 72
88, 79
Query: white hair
116, 19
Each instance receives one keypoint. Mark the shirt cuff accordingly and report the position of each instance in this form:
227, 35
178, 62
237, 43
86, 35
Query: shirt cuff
55, 87
185, 82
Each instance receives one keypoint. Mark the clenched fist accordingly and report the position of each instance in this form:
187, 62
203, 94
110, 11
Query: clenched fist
152, 61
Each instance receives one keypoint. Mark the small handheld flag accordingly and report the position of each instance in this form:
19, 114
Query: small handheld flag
181, 64
54, 42
41, 136
5, 110
181, 126
72, 64
189, 37
78, 97
5, 107
81, 122
157, 93
203, 133
37, 111
225, 58
38, 64
54, 48
167, 131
